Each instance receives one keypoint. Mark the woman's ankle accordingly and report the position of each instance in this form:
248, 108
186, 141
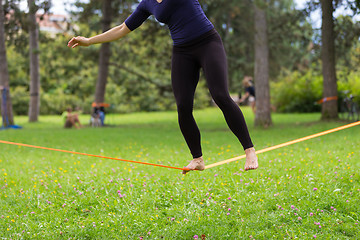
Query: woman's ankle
249, 150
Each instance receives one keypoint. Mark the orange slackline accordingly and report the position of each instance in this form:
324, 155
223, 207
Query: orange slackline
285, 144
326, 99
206, 167
91, 155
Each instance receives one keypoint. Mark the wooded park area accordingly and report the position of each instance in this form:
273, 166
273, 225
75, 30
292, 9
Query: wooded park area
293, 63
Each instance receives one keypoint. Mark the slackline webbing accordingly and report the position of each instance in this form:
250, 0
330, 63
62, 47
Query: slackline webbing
206, 167
285, 144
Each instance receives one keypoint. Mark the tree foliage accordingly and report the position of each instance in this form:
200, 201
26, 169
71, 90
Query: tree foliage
139, 68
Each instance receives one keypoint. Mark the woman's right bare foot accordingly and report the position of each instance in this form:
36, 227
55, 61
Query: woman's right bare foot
251, 159
195, 164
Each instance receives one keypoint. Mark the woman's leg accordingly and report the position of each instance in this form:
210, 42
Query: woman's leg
214, 63
185, 76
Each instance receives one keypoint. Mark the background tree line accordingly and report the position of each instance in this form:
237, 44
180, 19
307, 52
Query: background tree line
133, 74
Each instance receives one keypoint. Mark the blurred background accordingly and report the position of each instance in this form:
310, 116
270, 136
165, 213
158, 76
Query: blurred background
310, 48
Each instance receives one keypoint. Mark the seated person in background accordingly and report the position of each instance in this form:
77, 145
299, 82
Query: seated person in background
98, 113
95, 119
249, 92
71, 119
102, 115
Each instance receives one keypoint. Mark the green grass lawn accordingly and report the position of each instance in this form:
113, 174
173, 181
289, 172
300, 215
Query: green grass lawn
306, 190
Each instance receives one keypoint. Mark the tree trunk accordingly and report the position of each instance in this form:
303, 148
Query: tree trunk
261, 75
105, 54
329, 108
34, 105
6, 107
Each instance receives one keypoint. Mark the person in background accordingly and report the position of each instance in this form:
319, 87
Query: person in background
249, 92
71, 119
102, 115
99, 112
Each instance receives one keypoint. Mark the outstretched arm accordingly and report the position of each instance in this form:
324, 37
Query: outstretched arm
108, 36
244, 97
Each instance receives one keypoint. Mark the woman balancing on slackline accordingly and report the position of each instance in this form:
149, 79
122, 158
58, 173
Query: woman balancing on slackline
196, 45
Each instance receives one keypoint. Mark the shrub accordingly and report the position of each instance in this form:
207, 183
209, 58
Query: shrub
297, 93
56, 102
20, 100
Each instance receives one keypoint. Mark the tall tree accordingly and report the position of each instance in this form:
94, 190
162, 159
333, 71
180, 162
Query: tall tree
34, 105
329, 108
6, 108
108, 10
261, 74
105, 53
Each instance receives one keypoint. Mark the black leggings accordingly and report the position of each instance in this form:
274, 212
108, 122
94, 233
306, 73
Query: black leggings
205, 52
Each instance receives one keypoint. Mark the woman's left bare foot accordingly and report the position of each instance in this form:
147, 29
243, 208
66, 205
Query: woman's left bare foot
195, 164
251, 159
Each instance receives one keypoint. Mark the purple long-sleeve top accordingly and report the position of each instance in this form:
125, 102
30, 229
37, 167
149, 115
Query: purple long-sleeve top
185, 18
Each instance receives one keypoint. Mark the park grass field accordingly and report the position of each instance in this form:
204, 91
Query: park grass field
307, 190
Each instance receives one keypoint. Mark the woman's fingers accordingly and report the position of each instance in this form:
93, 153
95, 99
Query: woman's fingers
71, 42
78, 41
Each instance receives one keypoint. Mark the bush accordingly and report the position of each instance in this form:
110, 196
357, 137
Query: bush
349, 85
297, 93
57, 102
20, 100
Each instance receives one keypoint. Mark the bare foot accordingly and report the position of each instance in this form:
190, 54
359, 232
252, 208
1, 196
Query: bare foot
195, 164
251, 159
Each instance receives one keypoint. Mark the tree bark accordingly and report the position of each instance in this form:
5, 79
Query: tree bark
105, 54
329, 108
34, 105
261, 75
6, 107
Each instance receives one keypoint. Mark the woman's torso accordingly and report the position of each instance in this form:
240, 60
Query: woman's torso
185, 18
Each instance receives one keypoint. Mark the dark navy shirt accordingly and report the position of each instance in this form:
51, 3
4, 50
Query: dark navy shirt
250, 90
185, 18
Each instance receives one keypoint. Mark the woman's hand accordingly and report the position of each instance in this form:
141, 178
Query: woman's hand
79, 41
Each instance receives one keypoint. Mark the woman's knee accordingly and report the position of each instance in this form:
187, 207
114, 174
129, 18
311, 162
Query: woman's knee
184, 109
222, 99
